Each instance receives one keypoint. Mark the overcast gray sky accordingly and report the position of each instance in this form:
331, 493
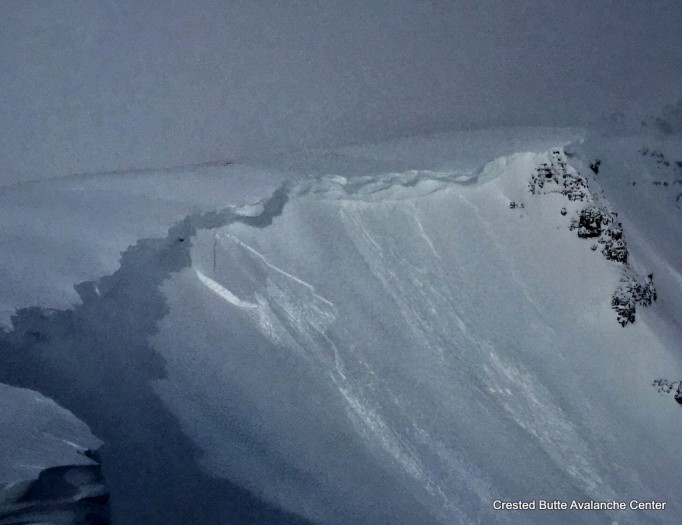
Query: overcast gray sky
99, 85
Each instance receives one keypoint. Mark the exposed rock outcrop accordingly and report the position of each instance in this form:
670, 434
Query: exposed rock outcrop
598, 222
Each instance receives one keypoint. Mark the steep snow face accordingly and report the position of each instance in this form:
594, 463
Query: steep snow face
417, 334
47, 470
60, 232
406, 341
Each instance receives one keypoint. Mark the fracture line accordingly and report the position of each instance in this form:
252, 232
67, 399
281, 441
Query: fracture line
279, 270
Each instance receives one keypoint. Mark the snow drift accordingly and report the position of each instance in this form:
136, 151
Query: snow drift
50, 472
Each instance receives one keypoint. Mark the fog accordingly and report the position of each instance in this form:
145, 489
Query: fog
92, 86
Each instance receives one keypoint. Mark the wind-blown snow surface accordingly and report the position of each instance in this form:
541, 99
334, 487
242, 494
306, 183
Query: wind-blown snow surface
385, 345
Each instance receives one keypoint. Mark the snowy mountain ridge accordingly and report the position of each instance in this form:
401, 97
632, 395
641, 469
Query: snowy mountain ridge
595, 217
366, 347
407, 233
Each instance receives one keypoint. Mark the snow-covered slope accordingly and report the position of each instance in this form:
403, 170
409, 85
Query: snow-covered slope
466, 343
49, 472
404, 341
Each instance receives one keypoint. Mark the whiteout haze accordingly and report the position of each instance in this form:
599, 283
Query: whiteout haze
213, 311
